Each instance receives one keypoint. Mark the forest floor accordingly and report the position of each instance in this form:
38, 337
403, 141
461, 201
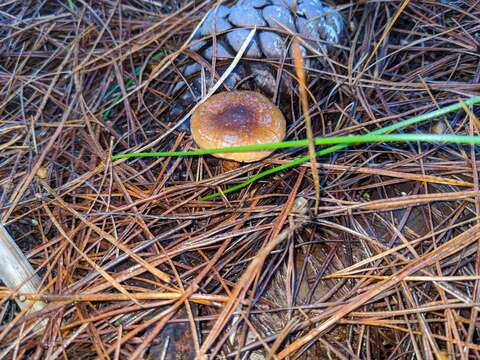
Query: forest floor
132, 263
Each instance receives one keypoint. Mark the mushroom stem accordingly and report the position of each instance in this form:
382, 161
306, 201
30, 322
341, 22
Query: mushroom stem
228, 165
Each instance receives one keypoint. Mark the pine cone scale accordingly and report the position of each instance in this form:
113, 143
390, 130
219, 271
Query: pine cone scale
315, 22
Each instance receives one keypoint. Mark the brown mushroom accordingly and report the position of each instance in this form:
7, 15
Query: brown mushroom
237, 118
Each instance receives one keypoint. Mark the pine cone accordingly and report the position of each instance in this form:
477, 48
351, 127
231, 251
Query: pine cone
316, 23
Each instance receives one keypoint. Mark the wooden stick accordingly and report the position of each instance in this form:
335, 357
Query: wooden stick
16, 271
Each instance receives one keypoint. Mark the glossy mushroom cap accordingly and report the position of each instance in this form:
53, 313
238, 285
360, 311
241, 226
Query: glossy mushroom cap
237, 118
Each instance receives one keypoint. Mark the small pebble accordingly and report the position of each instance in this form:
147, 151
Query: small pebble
42, 173
300, 205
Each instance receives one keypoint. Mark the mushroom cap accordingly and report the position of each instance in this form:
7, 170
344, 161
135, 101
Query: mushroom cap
238, 118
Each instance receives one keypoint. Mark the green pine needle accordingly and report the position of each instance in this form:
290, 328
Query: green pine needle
339, 142
334, 140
